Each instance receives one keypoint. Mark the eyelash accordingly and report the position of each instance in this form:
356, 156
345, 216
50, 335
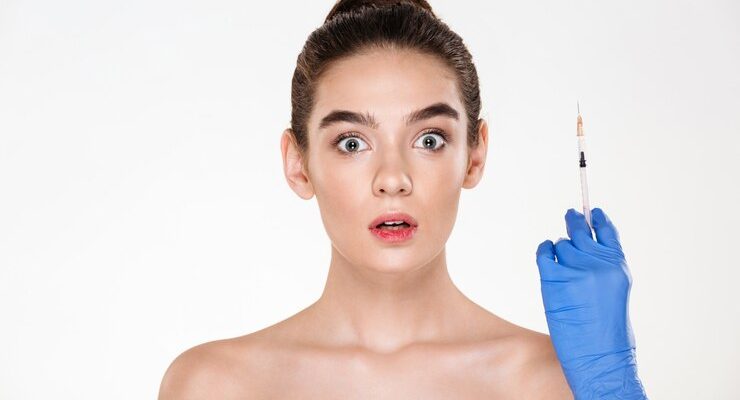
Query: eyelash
345, 135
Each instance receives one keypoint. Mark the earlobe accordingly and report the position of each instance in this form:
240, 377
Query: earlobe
477, 158
293, 166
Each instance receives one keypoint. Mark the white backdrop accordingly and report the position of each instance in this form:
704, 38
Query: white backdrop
143, 207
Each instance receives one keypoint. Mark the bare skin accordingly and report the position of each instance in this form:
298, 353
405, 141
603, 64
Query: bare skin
390, 323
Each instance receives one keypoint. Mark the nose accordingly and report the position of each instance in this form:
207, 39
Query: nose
392, 179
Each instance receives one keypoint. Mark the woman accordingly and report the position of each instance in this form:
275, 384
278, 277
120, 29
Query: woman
385, 129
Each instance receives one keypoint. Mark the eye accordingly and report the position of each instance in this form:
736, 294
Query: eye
430, 141
348, 141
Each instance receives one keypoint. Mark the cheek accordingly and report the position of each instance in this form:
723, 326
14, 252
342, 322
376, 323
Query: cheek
341, 194
439, 189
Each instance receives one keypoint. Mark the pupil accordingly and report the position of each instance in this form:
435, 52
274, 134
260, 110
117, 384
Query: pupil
352, 143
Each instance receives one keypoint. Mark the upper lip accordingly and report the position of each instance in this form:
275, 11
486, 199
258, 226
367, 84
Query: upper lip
393, 216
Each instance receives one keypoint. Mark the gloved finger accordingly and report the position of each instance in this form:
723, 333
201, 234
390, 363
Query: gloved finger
545, 251
546, 259
550, 270
567, 254
579, 231
606, 232
580, 235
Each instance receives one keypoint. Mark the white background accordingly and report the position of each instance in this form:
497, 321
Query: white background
143, 207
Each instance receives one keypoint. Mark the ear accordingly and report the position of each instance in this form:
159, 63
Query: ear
477, 158
293, 166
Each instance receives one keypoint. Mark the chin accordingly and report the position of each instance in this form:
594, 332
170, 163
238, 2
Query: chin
395, 260
373, 255
393, 264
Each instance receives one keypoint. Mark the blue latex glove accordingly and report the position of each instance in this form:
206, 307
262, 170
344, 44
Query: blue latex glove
585, 291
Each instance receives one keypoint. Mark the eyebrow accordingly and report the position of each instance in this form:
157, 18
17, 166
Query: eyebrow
368, 120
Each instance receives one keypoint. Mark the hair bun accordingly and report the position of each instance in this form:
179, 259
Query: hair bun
347, 6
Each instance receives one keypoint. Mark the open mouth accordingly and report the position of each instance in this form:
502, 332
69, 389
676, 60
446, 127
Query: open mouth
393, 226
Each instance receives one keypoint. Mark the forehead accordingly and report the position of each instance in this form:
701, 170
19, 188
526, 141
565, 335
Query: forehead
385, 83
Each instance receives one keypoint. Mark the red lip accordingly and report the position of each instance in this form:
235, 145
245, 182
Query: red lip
393, 216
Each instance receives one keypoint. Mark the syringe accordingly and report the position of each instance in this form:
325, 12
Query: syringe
582, 166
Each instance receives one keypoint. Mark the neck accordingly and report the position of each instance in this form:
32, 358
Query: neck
384, 311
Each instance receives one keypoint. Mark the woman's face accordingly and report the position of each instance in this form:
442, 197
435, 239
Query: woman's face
391, 166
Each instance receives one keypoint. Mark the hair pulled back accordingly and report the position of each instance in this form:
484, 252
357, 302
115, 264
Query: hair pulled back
355, 26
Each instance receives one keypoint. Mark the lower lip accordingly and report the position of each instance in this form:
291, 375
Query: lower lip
394, 236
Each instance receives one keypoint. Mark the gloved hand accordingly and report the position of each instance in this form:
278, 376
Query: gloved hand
585, 290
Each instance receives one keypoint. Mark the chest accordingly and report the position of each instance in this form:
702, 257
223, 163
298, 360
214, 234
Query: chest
398, 387
425, 377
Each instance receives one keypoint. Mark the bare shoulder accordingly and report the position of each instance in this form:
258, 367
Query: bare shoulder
219, 369
538, 372
244, 367
518, 363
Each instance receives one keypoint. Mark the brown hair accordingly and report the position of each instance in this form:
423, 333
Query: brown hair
355, 26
